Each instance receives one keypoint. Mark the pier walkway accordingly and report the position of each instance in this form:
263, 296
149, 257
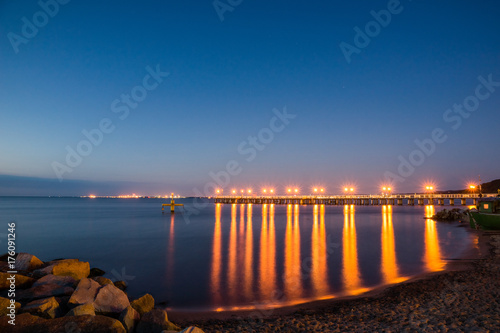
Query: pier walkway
361, 200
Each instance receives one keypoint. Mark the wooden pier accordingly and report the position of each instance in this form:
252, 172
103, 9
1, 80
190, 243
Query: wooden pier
359, 200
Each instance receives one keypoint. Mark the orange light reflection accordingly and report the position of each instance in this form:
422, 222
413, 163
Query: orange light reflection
318, 253
432, 255
390, 271
248, 277
216, 256
350, 271
231, 272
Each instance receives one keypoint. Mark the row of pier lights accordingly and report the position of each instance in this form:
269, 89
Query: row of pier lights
347, 190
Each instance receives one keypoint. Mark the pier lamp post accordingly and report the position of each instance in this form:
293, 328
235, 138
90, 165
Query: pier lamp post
386, 191
429, 189
271, 191
289, 191
472, 188
234, 191
322, 190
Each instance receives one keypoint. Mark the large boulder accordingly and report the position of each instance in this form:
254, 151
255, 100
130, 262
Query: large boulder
143, 304
27, 323
65, 281
102, 280
129, 319
4, 303
110, 299
76, 269
21, 281
27, 262
155, 320
66, 267
81, 310
44, 291
85, 292
46, 308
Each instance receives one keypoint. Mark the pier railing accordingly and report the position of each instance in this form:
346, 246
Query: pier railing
357, 199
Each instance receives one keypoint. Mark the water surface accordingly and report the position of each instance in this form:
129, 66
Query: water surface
236, 256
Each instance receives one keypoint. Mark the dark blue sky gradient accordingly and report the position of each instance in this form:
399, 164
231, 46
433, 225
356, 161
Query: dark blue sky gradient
352, 120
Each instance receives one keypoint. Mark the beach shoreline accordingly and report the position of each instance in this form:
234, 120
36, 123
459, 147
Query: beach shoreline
331, 312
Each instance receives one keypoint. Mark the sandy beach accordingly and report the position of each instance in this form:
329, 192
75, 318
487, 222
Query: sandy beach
463, 297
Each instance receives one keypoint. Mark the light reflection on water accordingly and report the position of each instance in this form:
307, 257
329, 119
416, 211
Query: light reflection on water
306, 272
238, 256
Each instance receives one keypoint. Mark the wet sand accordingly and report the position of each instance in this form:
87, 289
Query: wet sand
463, 297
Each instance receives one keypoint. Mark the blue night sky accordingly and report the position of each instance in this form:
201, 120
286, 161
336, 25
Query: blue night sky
353, 122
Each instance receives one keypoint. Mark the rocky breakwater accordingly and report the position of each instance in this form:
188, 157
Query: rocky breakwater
67, 296
455, 214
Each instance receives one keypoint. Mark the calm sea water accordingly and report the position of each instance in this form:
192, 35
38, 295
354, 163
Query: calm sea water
235, 256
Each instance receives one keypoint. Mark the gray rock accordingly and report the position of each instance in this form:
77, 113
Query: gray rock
85, 292
47, 308
129, 318
44, 291
65, 281
110, 299
81, 310
27, 262
155, 320
143, 304
192, 329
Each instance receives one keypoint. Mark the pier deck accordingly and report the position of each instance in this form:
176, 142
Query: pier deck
361, 200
